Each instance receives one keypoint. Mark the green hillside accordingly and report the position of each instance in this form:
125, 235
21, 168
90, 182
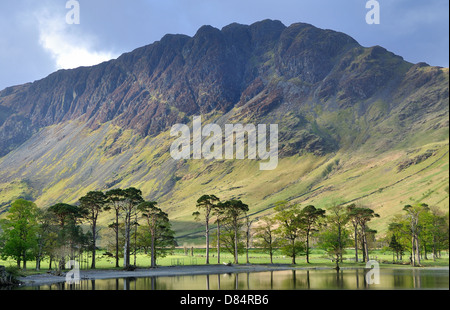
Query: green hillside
384, 182
356, 124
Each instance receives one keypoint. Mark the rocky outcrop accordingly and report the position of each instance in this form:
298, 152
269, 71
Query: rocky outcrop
265, 69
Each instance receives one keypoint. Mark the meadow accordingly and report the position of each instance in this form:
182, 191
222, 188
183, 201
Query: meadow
318, 259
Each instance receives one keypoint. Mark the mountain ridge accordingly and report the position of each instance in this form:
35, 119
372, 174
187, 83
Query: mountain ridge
68, 94
338, 105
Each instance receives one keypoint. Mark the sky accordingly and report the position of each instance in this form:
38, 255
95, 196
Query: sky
38, 37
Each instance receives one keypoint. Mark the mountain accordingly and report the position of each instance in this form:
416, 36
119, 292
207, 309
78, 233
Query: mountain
355, 123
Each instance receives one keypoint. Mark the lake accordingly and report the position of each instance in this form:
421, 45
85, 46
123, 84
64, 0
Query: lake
345, 279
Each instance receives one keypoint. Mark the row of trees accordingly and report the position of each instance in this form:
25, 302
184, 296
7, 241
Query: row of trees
228, 217
420, 230
65, 231
57, 232
293, 229
290, 228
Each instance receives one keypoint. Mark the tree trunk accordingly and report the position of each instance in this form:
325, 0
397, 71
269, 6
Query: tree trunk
339, 242
117, 238
417, 249
293, 252
126, 248
247, 246
135, 237
307, 247
434, 248
425, 251
94, 227
218, 242
366, 248
62, 264
235, 246
413, 255
207, 240
24, 260
153, 260
356, 242
38, 263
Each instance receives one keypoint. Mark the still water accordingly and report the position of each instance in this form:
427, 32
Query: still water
273, 280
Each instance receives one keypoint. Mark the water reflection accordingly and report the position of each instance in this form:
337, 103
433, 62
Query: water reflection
272, 280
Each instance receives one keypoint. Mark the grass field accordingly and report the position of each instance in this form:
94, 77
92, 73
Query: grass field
318, 258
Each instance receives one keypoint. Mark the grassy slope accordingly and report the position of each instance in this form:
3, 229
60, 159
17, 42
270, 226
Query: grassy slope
302, 180
93, 162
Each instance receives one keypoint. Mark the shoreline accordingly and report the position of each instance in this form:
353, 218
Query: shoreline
162, 271
167, 271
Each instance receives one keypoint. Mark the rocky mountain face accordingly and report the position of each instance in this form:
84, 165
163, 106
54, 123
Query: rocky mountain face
326, 92
257, 68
